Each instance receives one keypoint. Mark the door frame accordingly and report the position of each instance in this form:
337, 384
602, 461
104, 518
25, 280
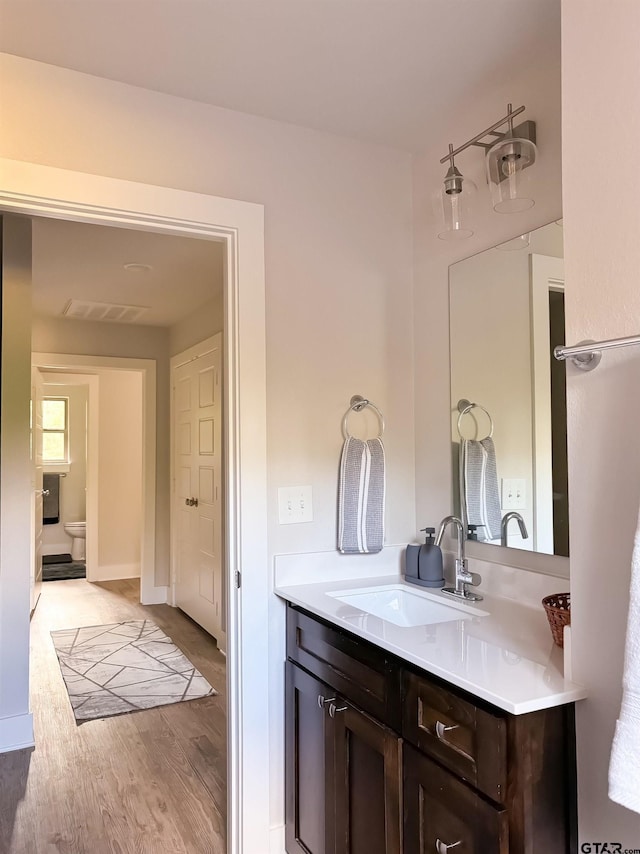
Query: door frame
546, 273
36, 190
87, 371
91, 381
37, 520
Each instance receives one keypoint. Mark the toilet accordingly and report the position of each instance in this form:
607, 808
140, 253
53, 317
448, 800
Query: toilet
78, 533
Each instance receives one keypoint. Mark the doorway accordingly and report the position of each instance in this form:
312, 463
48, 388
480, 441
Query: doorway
61, 408
138, 388
33, 190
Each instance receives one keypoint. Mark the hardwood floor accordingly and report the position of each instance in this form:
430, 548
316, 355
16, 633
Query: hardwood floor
150, 782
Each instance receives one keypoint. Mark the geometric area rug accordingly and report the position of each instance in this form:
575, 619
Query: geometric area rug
124, 667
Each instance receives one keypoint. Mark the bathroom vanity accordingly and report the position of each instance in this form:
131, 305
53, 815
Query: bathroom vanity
440, 737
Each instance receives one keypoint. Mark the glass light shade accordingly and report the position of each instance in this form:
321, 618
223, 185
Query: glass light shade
453, 210
509, 174
520, 242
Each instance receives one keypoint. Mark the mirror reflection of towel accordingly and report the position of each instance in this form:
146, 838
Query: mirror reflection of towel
479, 494
51, 501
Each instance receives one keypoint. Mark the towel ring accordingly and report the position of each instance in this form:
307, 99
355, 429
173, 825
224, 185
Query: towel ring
357, 404
465, 407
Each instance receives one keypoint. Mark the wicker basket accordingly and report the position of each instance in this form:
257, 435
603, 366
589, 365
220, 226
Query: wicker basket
558, 608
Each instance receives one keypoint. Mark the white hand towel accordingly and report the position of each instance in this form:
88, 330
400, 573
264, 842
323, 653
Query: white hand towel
361, 494
624, 767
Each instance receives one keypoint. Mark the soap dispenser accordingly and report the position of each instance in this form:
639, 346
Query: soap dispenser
430, 565
472, 531
423, 564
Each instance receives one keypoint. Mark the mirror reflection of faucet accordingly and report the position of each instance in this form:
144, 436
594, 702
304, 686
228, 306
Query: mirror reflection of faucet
505, 524
463, 578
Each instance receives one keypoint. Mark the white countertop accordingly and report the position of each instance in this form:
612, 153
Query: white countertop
507, 658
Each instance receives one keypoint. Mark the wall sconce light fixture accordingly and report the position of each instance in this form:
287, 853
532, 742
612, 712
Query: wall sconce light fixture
452, 203
508, 155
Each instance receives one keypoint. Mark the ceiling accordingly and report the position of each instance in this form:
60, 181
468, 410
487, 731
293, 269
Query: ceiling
78, 261
377, 70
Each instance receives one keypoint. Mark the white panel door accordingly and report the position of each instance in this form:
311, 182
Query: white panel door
198, 491
36, 482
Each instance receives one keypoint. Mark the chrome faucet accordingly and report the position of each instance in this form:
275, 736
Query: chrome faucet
463, 576
505, 524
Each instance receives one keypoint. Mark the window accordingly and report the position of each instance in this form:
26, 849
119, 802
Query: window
55, 430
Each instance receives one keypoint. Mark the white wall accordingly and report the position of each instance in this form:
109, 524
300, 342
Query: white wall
601, 129
205, 321
73, 496
78, 337
119, 475
338, 265
539, 90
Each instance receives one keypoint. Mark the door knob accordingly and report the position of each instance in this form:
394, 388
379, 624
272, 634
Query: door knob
187, 501
194, 502
42, 492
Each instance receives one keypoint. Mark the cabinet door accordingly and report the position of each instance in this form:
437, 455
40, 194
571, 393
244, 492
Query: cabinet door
367, 783
308, 759
442, 815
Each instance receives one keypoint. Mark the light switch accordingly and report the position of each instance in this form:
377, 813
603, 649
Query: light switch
295, 504
514, 493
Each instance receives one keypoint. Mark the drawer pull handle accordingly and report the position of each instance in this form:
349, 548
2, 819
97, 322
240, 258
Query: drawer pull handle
440, 731
322, 701
442, 847
333, 709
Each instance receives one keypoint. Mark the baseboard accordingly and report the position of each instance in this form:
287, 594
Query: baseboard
276, 840
16, 733
57, 548
150, 595
116, 572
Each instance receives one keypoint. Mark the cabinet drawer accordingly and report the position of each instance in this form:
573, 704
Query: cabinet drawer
362, 673
442, 814
464, 737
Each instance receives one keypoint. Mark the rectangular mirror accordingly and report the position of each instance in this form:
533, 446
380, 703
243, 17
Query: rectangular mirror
508, 393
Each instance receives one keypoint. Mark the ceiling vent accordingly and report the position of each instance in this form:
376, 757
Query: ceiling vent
85, 310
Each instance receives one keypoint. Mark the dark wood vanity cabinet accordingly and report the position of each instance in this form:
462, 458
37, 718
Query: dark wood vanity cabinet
344, 767
384, 759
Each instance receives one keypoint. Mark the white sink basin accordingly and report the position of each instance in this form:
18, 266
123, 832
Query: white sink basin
402, 607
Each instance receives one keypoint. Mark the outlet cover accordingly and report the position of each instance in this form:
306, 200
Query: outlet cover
295, 504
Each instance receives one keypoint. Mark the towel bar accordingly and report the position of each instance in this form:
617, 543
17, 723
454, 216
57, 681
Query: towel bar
587, 354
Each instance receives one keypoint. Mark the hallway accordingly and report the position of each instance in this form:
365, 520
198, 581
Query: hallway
145, 783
